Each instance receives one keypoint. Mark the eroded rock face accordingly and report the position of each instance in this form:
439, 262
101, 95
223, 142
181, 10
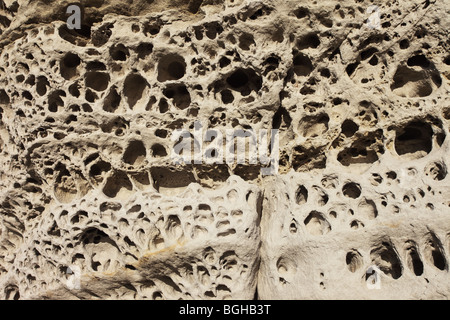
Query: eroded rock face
92, 205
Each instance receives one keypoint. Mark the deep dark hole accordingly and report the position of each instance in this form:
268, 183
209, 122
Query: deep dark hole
91, 158
95, 265
155, 30
404, 44
351, 68
388, 254
27, 95
162, 133
301, 13
129, 266
410, 134
349, 128
164, 177
337, 101
163, 106
227, 96
420, 33
368, 53
272, 61
98, 236
373, 61
144, 49
302, 65
182, 91
224, 61
194, 5
95, 66
351, 190
417, 263
325, 73
4, 98
442, 172
159, 150
169, 93
300, 60
333, 53
419, 60
119, 55
73, 90
391, 175
100, 167
87, 107
447, 60
324, 118
85, 31
349, 257
90, 96
135, 150
309, 41
31, 80
436, 79
282, 115
301, 195
53, 107
439, 260
95, 170
238, 79
176, 70
71, 60
257, 14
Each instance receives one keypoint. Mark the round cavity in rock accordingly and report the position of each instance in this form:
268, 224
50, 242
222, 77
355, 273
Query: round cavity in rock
171, 67
97, 80
349, 128
415, 139
419, 61
404, 44
238, 79
317, 224
436, 170
68, 65
353, 260
302, 65
119, 52
351, 190
227, 96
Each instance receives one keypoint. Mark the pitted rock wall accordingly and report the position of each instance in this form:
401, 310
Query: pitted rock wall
86, 176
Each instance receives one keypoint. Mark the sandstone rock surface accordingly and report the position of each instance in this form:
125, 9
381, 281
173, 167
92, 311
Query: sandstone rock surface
93, 207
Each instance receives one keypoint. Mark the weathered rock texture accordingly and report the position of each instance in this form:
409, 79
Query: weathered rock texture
86, 119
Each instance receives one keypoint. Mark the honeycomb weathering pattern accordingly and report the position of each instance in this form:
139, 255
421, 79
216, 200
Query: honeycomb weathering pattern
87, 183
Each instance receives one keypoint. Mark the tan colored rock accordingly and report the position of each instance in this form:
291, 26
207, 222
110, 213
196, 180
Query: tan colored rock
92, 205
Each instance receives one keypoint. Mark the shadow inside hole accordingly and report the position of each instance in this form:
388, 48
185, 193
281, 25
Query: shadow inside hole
414, 139
171, 67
